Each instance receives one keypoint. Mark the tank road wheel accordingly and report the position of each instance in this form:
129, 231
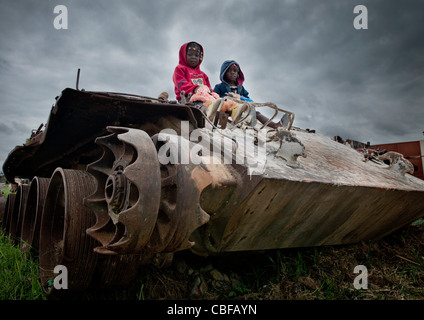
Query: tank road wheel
2, 210
18, 210
63, 240
127, 198
10, 203
180, 212
30, 232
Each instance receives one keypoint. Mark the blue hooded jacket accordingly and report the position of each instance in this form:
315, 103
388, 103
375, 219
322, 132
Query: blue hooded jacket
224, 87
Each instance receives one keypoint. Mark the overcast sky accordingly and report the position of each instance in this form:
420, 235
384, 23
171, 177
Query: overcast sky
306, 56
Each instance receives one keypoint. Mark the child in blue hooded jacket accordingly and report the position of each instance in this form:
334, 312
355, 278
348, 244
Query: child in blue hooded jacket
232, 79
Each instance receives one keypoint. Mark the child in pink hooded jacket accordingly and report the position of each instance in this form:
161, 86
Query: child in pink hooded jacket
187, 75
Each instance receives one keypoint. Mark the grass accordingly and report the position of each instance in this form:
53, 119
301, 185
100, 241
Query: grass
395, 266
18, 273
395, 270
6, 191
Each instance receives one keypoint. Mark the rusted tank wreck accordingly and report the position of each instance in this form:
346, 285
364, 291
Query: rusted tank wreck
119, 180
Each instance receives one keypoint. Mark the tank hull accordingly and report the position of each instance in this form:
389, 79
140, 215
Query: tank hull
332, 197
163, 178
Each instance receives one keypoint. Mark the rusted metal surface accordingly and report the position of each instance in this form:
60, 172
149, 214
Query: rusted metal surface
78, 118
10, 203
180, 212
411, 150
112, 203
30, 232
165, 208
2, 209
62, 237
63, 240
18, 211
313, 182
126, 201
283, 214
330, 162
332, 197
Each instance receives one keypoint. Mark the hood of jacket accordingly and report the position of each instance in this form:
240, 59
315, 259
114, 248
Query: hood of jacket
224, 69
183, 55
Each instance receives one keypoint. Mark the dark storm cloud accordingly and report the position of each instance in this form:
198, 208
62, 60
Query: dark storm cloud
4, 128
304, 55
339, 78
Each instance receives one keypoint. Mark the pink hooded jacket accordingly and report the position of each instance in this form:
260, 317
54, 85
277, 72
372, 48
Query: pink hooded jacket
186, 78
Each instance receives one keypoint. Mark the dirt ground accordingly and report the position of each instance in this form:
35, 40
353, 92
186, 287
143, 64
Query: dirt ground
395, 267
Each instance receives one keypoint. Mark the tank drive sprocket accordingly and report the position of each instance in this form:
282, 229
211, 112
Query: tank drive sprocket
127, 198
